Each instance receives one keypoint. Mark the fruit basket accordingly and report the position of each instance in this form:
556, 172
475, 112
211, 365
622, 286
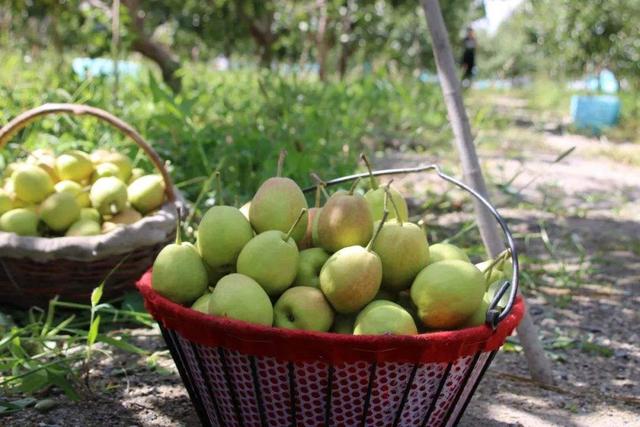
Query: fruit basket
35, 269
241, 374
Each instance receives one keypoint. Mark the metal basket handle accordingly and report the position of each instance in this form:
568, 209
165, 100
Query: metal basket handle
494, 316
21, 121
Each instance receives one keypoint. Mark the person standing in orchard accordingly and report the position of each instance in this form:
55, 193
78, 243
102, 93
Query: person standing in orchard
468, 56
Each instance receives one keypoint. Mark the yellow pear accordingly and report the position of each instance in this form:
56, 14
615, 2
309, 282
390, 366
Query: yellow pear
31, 184
59, 211
146, 193
84, 227
108, 195
23, 222
74, 165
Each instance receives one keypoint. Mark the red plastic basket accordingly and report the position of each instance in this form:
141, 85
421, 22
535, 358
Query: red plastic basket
239, 374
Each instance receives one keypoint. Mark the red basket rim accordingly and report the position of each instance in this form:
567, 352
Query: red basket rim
304, 346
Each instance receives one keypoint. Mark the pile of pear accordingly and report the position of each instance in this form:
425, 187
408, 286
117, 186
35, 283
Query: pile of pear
352, 266
75, 193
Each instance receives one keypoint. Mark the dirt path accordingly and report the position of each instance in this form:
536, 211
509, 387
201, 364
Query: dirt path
584, 291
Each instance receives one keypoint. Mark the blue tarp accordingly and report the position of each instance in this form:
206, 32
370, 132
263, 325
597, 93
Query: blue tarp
85, 67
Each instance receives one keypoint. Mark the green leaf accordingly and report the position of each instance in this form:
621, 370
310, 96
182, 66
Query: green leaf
133, 302
593, 348
121, 344
61, 380
16, 405
33, 382
93, 331
96, 295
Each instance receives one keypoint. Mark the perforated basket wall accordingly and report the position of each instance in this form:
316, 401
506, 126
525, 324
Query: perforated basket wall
245, 375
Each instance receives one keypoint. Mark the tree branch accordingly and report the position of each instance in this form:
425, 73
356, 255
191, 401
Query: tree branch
151, 49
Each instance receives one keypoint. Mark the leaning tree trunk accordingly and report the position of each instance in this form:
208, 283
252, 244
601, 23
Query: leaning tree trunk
153, 50
539, 365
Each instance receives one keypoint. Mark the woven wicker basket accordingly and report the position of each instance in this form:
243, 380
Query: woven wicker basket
35, 269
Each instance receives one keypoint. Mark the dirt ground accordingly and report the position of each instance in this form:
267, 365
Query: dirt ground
585, 299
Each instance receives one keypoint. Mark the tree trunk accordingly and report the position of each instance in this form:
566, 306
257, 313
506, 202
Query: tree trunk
153, 50
321, 41
539, 365
347, 49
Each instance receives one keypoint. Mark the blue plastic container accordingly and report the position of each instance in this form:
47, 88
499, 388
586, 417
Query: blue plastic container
595, 112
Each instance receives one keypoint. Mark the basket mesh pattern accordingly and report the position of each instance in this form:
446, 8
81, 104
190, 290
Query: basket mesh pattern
229, 388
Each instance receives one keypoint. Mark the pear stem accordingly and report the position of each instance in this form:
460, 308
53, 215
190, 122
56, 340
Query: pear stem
219, 200
497, 260
353, 186
319, 190
281, 157
178, 227
374, 184
395, 207
302, 212
320, 183
385, 214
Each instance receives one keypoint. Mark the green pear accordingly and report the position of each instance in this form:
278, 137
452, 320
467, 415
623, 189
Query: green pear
6, 204
90, 213
59, 211
310, 263
72, 187
222, 233
178, 272
345, 220
479, 316
493, 290
202, 303
239, 297
446, 251
68, 186
384, 318
491, 272
23, 222
375, 200
404, 252
271, 258
104, 170
307, 240
74, 165
121, 161
84, 227
31, 184
447, 293
351, 278
146, 193
135, 174
276, 205
108, 195
376, 195
343, 324
304, 308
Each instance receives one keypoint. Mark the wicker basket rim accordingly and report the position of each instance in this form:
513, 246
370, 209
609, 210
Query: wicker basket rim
148, 231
